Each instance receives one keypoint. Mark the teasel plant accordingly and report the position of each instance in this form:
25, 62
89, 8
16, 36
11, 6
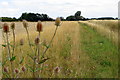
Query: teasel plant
57, 24
10, 57
13, 31
16, 72
21, 43
35, 59
43, 59
25, 24
39, 29
6, 72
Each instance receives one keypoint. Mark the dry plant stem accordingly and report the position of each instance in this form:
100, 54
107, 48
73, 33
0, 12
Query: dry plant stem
8, 47
21, 49
38, 46
34, 64
13, 42
28, 36
29, 39
3, 37
50, 41
34, 69
9, 55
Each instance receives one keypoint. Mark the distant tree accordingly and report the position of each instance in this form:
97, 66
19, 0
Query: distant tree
62, 18
77, 15
106, 18
35, 17
71, 18
8, 19
116, 18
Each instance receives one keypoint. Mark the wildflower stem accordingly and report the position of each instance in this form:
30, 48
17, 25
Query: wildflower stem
28, 36
12, 69
34, 69
13, 42
38, 46
9, 55
50, 42
29, 40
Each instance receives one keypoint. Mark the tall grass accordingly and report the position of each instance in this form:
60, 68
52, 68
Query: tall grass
63, 48
37, 58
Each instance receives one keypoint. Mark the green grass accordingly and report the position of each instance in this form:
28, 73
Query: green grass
103, 54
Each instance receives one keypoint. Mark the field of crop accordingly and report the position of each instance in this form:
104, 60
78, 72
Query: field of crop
80, 49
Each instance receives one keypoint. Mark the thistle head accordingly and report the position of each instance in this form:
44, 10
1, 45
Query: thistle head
57, 21
5, 28
37, 40
39, 26
16, 71
21, 42
5, 69
23, 69
57, 70
13, 26
25, 24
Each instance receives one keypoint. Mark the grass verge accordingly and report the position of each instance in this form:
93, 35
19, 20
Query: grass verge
103, 54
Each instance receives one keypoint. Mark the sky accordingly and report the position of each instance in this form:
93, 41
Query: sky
58, 8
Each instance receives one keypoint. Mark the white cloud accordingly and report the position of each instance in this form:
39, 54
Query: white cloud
4, 3
54, 8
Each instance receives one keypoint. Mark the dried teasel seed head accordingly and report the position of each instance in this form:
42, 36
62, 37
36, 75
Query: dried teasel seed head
12, 25
5, 28
23, 69
57, 21
5, 69
16, 71
37, 40
39, 26
21, 42
25, 24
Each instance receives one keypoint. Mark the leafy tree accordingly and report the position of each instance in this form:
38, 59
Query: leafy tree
71, 18
35, 17
78, 13
8, 19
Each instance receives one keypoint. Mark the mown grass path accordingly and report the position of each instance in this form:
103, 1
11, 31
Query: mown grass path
102, 55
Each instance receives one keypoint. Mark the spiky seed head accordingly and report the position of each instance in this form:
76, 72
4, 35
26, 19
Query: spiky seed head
25, 24
16, 71
5, 28
23, 69
37, 40
21, 42
13, 26
5, 69
39, 26
57, 21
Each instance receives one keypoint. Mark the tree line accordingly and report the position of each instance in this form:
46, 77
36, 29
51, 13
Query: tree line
44, 17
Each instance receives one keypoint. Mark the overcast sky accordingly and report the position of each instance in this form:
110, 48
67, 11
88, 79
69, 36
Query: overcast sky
57, 8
